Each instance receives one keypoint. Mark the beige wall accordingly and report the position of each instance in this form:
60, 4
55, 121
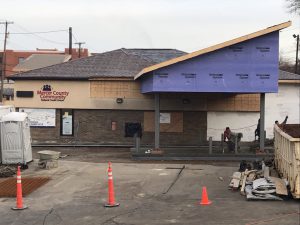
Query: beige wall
103, 94
78, 96
84, 95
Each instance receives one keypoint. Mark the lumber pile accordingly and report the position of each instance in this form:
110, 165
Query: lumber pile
254, 181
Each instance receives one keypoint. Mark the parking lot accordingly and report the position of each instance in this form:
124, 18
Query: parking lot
148, 193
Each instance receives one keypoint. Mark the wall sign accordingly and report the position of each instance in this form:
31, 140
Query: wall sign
40, 117
67, 125
165, 118
48, 93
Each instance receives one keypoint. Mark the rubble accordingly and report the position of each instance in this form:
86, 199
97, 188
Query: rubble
7, 171
255, 182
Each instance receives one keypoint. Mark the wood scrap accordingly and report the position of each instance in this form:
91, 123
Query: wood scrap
280, 186
244, 182
251, 177
247, 173
242, 178
235, 181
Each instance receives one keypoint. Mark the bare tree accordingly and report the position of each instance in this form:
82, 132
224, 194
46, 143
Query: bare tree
286, 64
293, 6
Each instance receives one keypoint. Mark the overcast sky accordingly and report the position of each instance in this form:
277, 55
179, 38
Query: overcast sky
105, 25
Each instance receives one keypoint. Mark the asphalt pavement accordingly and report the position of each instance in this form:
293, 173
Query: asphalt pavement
148, 194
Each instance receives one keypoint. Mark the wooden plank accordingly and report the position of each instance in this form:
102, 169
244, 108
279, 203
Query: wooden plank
251, 177
280, 186
247, 173
235, 181
244, 182
116, 89
175, 125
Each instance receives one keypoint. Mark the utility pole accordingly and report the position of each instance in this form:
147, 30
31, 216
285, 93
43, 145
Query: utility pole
4, 60
70, 41
297, 51
79, 47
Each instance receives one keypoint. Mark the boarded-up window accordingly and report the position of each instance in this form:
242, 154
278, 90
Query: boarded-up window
175, 125
116, 89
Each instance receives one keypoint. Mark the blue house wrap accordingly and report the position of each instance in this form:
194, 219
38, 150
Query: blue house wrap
244, 65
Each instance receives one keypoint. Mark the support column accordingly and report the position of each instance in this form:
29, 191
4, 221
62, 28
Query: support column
210, 145
262, 122
157, 120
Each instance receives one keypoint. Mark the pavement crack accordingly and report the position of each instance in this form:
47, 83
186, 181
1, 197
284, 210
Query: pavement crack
175, 180
54, 213
112, 219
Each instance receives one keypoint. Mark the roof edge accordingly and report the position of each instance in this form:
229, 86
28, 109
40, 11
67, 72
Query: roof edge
49, 78
110, 78
215, 47
289, 81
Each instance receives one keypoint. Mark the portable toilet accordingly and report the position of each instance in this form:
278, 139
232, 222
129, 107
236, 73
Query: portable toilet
5, 109
15, 138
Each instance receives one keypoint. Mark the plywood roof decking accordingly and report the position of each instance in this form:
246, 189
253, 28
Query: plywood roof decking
214, 48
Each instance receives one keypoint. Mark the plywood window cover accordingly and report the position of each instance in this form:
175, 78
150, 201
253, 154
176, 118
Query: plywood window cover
176, 125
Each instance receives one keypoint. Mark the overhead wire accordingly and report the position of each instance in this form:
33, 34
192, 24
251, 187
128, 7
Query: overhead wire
74, 37
37, 32
42, 32
241, 128
39, 37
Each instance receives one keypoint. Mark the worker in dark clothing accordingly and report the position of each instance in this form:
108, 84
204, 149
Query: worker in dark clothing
257, 131
229, 139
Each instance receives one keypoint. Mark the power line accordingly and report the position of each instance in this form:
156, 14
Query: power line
74, 37
38, 32
40, 37
10, 42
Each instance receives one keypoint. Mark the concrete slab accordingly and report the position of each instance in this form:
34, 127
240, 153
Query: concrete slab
78, 190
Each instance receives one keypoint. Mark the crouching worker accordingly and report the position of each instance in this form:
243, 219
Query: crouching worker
229, 138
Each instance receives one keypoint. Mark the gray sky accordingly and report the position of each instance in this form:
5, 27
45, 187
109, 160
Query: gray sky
104, 25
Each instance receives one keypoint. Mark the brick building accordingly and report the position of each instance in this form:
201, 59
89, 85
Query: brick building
15, 57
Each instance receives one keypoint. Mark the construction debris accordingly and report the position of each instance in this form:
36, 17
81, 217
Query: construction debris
48, 159
256, 183
7, 171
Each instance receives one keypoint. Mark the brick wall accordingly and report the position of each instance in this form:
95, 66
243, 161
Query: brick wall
45, 134
94, 127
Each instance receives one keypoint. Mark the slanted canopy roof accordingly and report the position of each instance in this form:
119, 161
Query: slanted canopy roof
214, 48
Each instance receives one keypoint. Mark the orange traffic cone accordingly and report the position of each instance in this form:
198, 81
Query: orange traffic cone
204, 200
111, 194
19, 205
